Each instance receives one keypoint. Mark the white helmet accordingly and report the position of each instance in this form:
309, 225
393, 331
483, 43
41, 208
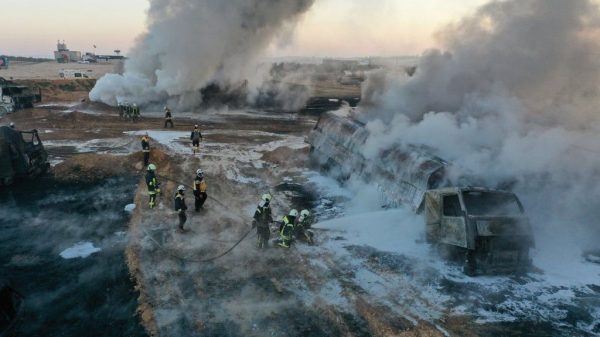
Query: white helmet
305, 213
266, 197
151, 167
199, 172
196, 126
180, 188
293, 213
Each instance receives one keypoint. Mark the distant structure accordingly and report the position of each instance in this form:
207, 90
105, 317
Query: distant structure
3, 62
64, 55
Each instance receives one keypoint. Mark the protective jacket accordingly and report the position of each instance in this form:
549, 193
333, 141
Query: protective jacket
152, 183
287, 228
180, 202
199, 186
196, 135
145, 144
262, 216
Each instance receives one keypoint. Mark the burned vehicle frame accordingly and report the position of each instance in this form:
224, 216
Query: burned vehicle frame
22, 155
488, 239
22, 96
11, 306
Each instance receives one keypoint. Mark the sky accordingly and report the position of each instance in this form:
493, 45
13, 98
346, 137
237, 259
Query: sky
335, 28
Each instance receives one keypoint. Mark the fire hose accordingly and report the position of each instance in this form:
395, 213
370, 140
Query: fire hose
199, 260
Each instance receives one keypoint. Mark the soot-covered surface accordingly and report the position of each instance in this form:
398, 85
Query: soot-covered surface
76, 295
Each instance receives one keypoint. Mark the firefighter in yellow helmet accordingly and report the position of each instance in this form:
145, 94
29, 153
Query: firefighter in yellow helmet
286, 230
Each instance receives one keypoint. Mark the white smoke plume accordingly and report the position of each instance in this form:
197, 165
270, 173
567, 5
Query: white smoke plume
513, 95
193, 43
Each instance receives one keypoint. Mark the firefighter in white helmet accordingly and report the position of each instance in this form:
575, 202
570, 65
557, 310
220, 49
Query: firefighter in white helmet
302, 227
199, 188
262, 219
180, 206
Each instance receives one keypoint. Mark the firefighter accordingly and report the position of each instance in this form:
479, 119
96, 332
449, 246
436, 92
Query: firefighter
180, 206
135, 112
168, 117
146, 148
286, 230
196, 137
153, 185
200, 195
262, 219
301, 228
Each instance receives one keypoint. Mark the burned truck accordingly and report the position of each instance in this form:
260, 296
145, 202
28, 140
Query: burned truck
22, 155
485, 228
11, 305
22, 96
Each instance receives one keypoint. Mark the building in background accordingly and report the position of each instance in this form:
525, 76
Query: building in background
3, 62
64, 55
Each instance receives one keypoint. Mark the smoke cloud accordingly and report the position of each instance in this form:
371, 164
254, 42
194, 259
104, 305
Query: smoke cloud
513, 96
191, 44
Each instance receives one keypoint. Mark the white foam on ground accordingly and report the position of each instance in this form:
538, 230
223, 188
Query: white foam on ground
82, 249
129, 208
537, 297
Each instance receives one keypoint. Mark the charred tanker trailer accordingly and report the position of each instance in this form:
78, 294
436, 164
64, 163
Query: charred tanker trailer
486, 226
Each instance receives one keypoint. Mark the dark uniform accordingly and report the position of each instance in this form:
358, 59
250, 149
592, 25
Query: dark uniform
135, 113
286, 230
301, 229
180, 207
168, 117
153, 187
196, 136
146, 149
200, 195
262, 219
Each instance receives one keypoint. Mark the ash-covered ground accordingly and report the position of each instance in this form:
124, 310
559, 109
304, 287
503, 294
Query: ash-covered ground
369, 274
63, 248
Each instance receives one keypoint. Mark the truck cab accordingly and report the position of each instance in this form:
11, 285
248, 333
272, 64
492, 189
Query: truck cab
22, 155
488, 227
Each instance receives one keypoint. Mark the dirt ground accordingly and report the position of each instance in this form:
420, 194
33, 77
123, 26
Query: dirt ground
50, 70
303, 291
247, 292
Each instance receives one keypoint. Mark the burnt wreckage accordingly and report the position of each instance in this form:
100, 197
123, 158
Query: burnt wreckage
22, 155
22, 96
486, 226
11, 304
